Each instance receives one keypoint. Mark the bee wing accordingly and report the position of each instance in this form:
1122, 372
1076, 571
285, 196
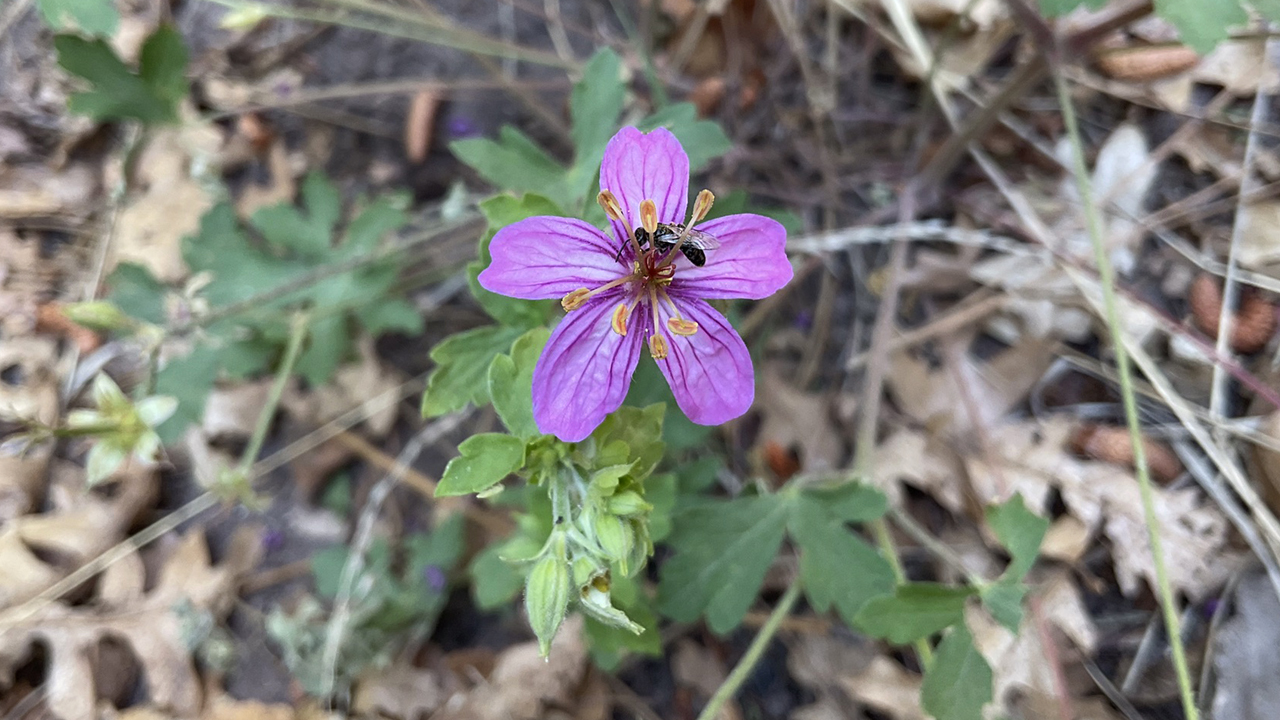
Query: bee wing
701, 240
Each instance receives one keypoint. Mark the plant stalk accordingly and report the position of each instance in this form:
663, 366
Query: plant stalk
748, 662
1107, 281
297, 333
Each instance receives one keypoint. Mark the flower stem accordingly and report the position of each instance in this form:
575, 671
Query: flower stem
1107, 280
743, 669
297, 333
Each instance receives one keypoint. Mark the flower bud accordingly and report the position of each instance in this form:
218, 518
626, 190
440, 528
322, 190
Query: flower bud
586, 569
546, 595
615, 538
628, 503
98, 315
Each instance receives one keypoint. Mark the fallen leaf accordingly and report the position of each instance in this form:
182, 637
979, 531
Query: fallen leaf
1018, 661
1245, 659
363, 384
28, 392
696, 666
170, 202
800, 421
886, 687
400, 691
38, 550
522, 683
151, 623
911, 457
32, 191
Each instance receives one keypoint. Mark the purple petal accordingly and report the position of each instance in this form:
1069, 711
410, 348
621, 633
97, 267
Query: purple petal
638, 167
751, 261
710, 371
584, 371
549, 257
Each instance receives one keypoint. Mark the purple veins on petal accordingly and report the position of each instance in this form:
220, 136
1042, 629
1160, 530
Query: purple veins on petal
548, 257
585, 370
639, 166
751, 262
710, 371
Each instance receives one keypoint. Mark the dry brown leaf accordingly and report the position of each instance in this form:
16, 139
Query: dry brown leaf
924, 462
800, 421
1239, 66
31, 191
696, 666
522, 683
821, 662
1018, 661
826, 708
956, 398
1066, 540
358, 384
28, 392
150, 623
399, 691
1032, 457
232, 411
281, 189
38, 550
25, 282
1259, 233
169, 203
884, 686
226, 708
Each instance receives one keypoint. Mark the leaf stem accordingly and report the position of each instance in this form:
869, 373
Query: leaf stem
743, 669
1107, 281
880, 529
297, 333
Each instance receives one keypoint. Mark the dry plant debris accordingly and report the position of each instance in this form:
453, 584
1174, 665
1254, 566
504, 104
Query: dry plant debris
159, 627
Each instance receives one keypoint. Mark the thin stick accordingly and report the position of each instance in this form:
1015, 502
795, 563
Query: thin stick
297, 333
341, 617
1167, 599
759, 643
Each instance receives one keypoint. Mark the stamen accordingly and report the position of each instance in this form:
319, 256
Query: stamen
649, 216
701, 207
619, 321
658, 347
680, 326
609, 203
574, 300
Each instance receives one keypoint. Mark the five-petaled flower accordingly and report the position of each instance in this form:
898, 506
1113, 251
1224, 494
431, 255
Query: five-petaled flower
622, 295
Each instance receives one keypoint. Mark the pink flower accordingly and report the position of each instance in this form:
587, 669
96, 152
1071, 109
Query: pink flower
622, 295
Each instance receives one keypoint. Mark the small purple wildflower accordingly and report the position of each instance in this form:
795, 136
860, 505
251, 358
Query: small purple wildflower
620, 295
272, 540
435, 577
462, 126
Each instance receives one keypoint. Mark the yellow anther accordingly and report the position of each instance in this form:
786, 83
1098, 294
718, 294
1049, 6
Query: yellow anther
619, 321
680, 326
574, 300
649, 216
658, 347
701, 206
609, 203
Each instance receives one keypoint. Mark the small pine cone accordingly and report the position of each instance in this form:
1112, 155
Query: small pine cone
1110, 443
1254, 322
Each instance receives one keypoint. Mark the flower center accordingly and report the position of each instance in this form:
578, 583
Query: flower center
652, 272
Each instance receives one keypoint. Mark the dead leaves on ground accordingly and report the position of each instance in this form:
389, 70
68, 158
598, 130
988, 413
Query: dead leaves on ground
157, 629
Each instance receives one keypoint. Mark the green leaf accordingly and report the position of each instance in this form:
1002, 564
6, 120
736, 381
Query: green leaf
1202, 24
1056, 8
1020, 531
640, 430
462, 367
703, 140
328, 345
137, 293
1004, 601
511, 383
390, 315
648, 386
914, 611
958, 683
513, 163
660, 492
486, 459
723, 550
501, 211
594, 106
89, 17
494, 582
151, 95
836, 566
188, 379
849, 501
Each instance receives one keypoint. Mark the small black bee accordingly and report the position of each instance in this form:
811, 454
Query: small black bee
694, 245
